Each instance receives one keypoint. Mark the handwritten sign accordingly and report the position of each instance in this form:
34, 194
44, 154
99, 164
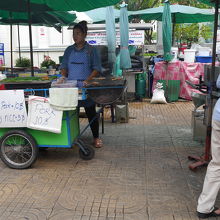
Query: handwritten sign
12, 109
41, 116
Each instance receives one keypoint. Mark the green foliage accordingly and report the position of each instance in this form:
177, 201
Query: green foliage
154, 36
134, 5
29, 79
23, 62
206, 32
192, 3
190, 33
47, 63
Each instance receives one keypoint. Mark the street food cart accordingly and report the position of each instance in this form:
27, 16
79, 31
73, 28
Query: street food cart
19, 144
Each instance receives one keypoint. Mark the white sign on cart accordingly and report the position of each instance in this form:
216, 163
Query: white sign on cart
12, 109
41, 116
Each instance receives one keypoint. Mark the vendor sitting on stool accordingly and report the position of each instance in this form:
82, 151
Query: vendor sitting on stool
206, 202
81, 62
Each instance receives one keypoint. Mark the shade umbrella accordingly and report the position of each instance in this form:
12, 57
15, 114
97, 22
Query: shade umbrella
111, 36
48, 5
50, 19
55, 5
167, 31
179, 14
125, 60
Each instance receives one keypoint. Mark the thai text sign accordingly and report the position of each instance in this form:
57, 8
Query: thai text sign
12, 109
99, 38
41, 116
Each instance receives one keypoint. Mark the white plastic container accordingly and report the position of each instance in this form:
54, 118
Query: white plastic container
189, 55
2, 76
204, 51
174, 51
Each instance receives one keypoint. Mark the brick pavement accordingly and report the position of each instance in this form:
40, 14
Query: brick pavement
141, 173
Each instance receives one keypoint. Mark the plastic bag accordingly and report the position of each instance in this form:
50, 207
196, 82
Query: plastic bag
158, 95
63, 83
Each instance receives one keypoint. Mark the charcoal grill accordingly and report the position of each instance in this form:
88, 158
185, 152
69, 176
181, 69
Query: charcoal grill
105, 91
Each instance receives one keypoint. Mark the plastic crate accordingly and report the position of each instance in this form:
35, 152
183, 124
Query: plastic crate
172, 90
203, 59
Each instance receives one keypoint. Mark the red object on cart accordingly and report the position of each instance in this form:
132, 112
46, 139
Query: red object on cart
181, 49
2, 87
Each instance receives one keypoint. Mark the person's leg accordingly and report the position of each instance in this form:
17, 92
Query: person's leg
211, 184
91, 113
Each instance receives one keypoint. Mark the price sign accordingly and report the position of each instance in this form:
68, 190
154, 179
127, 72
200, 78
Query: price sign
41, 116
12, 109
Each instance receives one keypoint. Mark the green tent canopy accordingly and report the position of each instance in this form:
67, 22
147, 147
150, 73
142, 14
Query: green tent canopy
40, 18
96, 16
55, 5
179, 14
37, 6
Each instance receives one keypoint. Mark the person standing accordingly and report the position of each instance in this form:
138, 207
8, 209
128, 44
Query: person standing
206, 201
81, 62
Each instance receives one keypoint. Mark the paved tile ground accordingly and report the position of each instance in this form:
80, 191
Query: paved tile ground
141, 173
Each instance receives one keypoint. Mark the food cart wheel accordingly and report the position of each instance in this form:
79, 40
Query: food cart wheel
18, 149
90, 153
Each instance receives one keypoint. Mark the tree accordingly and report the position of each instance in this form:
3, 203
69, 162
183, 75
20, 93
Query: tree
23, 62
134, 5
193, 3
190, 33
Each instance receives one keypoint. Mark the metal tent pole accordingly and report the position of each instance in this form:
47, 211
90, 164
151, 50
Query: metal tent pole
19, 43
11, 44
209, 127
204, 160
30, 37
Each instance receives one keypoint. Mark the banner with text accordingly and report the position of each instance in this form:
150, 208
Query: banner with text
99, 38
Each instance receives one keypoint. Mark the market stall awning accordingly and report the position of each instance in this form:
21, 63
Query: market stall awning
55, 5
95, 16
179, 14
36, 6
37, 18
